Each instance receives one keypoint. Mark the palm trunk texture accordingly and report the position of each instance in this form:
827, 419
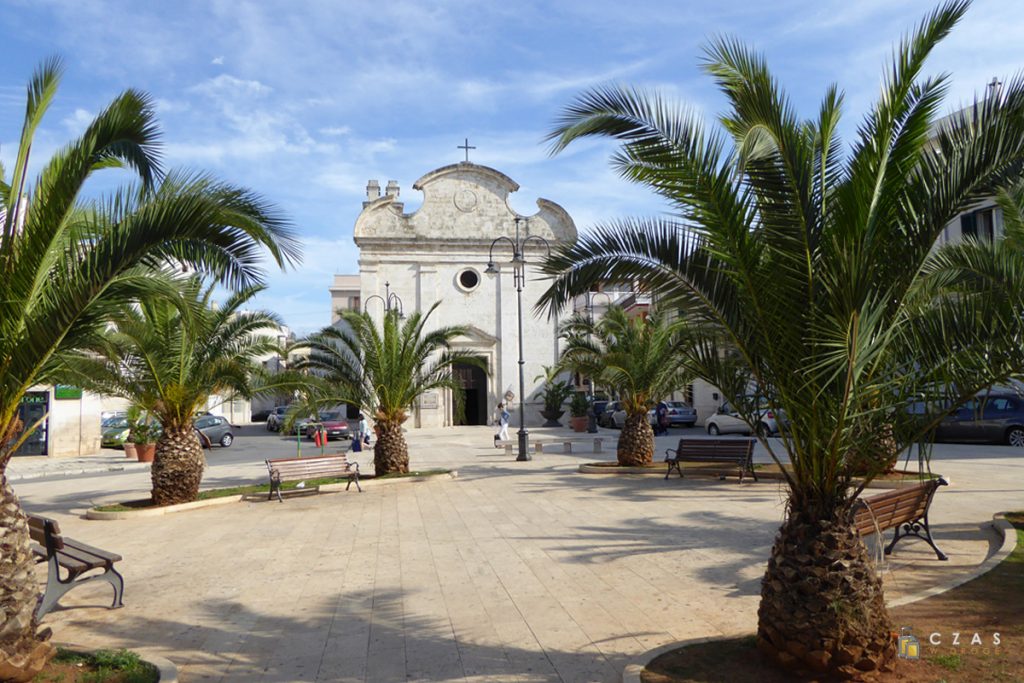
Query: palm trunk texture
390, 454
636, 443
22, 653
822, 610
178, 467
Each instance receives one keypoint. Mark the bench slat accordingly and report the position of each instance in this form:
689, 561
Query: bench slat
904, 509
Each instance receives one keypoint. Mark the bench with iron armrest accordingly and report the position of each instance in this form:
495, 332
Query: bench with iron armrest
905, 509
300, 469
739, 452
60, 552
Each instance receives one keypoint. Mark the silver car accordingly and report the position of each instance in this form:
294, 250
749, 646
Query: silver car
727, 420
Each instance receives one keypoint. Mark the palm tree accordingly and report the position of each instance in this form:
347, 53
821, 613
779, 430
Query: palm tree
169, 357
636, 355
66, 265
383, 371
816, 266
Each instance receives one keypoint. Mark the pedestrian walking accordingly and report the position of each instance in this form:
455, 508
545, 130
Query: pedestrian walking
503, 419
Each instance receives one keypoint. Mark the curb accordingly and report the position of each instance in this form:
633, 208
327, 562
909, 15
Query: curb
29, 476
1009, 534
631, 672
160, 511
167, 671
334, 488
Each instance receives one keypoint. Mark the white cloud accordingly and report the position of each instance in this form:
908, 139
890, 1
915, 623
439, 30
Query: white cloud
78, 121
218, 60
335, 130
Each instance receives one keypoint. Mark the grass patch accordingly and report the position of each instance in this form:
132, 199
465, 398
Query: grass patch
992, 603
951, 661
253, 489
101, 666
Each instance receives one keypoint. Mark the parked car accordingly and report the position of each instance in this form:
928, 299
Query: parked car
680, 414
275, 420
606, 419
995, 417
114, 432
599, 408
216, 429
334, 423
727, 420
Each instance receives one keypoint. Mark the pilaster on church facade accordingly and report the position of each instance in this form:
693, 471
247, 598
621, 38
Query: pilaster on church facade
439, 253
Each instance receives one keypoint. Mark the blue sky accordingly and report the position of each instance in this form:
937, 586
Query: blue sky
305, 101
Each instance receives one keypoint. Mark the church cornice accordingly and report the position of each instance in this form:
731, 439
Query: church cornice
466, 167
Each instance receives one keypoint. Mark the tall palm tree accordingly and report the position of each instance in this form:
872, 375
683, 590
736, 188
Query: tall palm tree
169, 357
816, 265
384, 370
66, 265
639, 357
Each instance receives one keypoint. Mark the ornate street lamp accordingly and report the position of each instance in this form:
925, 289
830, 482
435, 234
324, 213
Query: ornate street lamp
519, 278
390, 300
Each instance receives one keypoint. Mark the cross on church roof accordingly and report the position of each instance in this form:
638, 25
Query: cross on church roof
466, 146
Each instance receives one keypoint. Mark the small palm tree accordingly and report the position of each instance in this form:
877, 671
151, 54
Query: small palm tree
384, 370
817, 270
68, 265
637, 356
169, 357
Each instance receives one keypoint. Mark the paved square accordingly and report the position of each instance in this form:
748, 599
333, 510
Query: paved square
512, 572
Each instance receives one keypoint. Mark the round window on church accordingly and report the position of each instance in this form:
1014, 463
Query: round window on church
469, 279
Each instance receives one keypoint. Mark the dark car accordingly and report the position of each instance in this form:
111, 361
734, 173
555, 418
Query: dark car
333, 422
216, 429
605, 418
993, 417
599, 407
275, 419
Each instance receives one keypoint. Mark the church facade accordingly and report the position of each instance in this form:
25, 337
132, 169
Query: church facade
439, 254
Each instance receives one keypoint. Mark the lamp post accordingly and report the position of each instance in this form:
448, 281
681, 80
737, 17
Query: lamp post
390, 300
589, 308
519, 278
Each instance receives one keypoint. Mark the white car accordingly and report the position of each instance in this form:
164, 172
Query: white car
727, 421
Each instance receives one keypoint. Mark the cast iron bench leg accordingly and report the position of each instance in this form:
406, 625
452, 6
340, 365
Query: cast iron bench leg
56, 587
914, 529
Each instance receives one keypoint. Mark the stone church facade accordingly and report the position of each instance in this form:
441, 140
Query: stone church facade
440, 253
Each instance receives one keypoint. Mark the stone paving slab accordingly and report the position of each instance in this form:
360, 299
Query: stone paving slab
512, 572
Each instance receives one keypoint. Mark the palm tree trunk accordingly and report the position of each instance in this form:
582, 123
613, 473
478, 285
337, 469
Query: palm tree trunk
822, 608
390, 454
636, 443
178, 466
22, 653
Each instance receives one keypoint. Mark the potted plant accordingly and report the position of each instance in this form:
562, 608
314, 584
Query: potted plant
555, 393
578, 410
144, 437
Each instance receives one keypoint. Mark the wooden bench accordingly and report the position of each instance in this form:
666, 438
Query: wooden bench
905, 509
739, 452
316, 467
60, 552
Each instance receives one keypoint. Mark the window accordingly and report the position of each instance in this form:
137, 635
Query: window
978, 224
469, 279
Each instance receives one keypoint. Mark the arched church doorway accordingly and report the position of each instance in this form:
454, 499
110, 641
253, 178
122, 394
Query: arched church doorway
469, 404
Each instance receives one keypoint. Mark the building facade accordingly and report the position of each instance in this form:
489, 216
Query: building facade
440, 254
